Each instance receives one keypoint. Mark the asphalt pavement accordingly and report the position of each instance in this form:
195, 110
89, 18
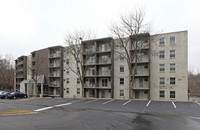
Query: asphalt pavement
100, 114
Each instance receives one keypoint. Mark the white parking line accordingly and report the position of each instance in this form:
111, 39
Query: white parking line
65, 104
198, 103
91, 101
46, 108
108, 101
127, 102
195, 118
42, 109
174, 104
148, 103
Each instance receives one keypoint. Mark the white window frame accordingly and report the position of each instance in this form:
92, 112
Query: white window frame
173, 67
121, 93
172, 53
67, 80
121, 68
172, 80
162, 95
174, 41
162, 68
173, 95
121, 81
162, 41
161, 54
162, 81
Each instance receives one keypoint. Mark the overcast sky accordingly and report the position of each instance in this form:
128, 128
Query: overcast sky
28, 25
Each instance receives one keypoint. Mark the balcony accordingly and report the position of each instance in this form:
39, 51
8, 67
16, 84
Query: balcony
143, 59
142, 71
54, 74
105, 86
140, 45
56, 54
54, 84
54, 65
141, 84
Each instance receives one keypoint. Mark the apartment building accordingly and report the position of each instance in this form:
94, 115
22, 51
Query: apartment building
20, 71
160, 69
98, 62
55, 70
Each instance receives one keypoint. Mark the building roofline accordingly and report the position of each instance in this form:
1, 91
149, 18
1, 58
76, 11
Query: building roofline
20, 57
55, 47
170, 32
99, 39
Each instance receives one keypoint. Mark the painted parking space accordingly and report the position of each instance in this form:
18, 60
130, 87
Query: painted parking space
188, 109
159, 107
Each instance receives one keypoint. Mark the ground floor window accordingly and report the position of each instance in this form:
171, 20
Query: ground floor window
78, 90
162, 94
172, 94
121, 93
67, 90
139, 94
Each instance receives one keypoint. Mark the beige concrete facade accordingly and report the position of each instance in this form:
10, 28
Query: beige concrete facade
180, 60
71, 87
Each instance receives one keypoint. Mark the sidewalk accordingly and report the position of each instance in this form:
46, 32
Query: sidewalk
195, 99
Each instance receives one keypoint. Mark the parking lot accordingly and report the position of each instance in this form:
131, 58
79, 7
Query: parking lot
93, 113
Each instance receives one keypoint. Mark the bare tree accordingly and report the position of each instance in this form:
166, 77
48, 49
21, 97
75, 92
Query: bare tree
74, 53
133, 38
36, 69
6, 72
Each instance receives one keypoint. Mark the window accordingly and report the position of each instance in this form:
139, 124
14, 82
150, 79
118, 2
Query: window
78, 80
162, 41
92, 59
162, 54
67, 70
139, 56
139, 82
162, 81
121, 68
172, 81
92, 81
121, 93
104, 47
162, 94
121, 81
104, 82
172, 94
104, 70
104, 59
67, 51
67, 61
78, 90
67, 90
67, 80
92, 48
138, 44
139, 69
172, 67
91, 71
172, 53
121, 57
172, 40
162, 67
